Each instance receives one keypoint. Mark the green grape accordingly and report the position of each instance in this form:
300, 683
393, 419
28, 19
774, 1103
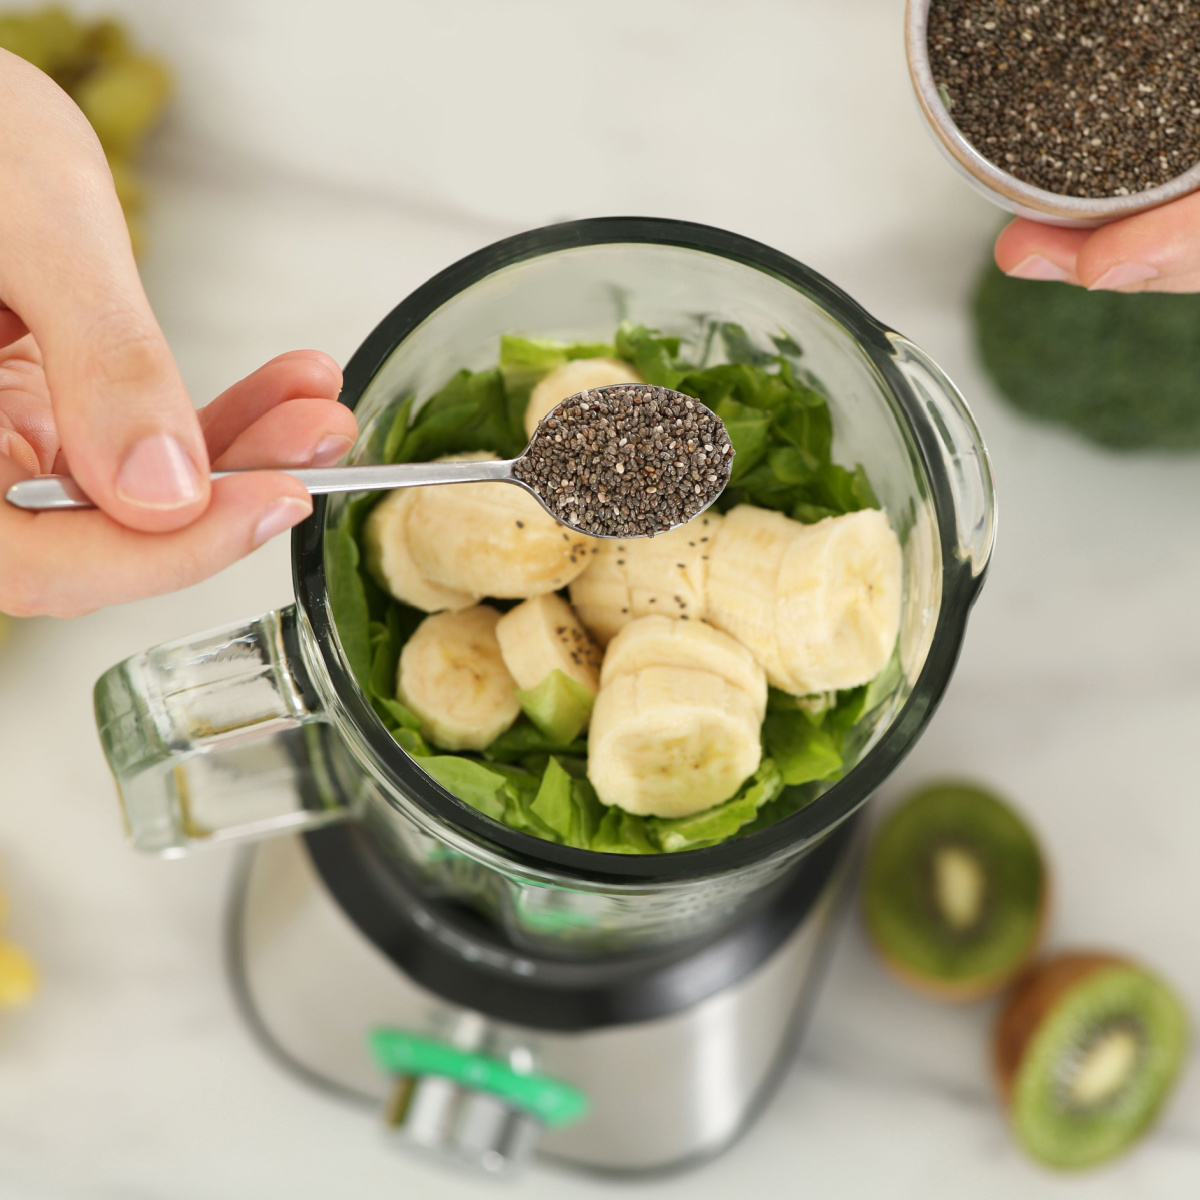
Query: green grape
122, 99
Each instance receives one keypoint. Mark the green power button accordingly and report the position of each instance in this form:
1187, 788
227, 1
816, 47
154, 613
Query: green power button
553, 1102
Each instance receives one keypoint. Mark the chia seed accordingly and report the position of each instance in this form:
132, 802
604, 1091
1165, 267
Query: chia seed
630, 460
1088, 98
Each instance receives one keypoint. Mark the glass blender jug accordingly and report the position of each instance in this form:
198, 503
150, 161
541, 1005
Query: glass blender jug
261, 729
494, 969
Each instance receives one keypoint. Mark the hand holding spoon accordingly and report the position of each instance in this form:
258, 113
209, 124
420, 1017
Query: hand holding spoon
629, 460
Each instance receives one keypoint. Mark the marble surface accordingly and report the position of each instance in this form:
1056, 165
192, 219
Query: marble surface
320, 163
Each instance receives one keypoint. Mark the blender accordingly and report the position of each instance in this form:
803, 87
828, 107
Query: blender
494, 993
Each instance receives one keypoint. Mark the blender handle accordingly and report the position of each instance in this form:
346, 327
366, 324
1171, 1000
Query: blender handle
208, 738
960, 446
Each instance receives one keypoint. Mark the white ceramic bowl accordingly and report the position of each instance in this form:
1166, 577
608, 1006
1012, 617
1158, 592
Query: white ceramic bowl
999, 186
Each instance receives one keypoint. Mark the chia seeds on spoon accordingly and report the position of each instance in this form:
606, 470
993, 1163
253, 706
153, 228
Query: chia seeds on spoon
1088, 98
630, 460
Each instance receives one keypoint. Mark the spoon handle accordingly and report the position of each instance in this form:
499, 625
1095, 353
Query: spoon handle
61, 491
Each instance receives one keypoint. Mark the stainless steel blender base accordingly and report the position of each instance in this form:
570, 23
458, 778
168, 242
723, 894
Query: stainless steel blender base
664, 1093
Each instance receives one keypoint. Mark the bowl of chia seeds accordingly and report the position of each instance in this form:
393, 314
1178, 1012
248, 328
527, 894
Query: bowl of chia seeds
1069, 112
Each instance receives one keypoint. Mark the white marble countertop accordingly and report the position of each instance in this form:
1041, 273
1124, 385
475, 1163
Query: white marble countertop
320, 165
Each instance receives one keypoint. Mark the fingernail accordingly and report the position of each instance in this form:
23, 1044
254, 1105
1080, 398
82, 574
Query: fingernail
329, 450
158, 473
1122, 275
1037, 267
283, 514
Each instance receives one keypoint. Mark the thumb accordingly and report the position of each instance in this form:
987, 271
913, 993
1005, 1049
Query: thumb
1155, 251
125, 423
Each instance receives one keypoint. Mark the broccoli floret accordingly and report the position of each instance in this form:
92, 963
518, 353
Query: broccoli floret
1122, 370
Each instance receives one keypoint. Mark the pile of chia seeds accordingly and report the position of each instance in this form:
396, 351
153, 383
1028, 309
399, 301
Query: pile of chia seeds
1088, 98
630, 460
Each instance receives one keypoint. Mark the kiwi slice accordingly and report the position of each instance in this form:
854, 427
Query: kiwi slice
1085, 1054
955, 892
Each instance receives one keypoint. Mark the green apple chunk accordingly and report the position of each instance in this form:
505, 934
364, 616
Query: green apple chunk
559, 706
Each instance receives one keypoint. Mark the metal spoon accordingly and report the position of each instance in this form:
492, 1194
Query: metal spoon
592, 411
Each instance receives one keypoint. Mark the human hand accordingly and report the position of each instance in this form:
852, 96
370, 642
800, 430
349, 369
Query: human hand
1154, 251
88, 385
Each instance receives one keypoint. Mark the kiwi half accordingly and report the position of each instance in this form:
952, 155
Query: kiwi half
955, 892
1085, 1054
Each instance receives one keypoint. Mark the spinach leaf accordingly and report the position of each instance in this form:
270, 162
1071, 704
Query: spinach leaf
387, 640
469, 413
802, 750
348, 598
470, 781
652, 354
411, 741
722, 822
739, 348
523, 361
787, 345
748, 430
393, 444
620, 832
568, 805
523, 738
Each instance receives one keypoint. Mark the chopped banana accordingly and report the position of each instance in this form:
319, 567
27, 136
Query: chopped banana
544, 635
671, 741
385, 541
661, 642
817, 605
452, 675
838, 602
492, 539
554, 662
665, 575
743, 571
578, 375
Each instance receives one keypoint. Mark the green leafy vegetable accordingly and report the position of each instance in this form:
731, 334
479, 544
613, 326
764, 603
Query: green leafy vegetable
471, 781
523, 738
622, 833
568, 806
721, 823
411, 741
393, 444
348, 597
523, 361
802, 750
652, 354
533, 777
469, 413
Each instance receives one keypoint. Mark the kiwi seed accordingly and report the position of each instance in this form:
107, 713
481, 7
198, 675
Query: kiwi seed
955, 892
1085, 1054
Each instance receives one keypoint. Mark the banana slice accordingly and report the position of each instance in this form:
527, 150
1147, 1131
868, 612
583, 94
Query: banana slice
743, 571
661, 642
665, 575
838, 602
578, 375
671, 741
544, 635
385, 540
492, 539
453, 677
